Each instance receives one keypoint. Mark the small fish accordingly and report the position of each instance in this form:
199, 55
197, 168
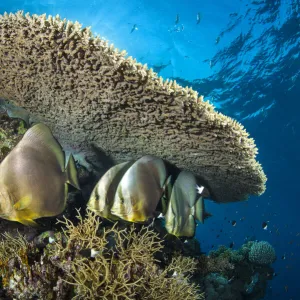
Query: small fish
89, 253
233, 223
51, 240
231, 245
264, 225
134, 27
198, 18
283, 257
44, 238
34, 178
14, 111
177, 19
160, 216
218, 40
199, 188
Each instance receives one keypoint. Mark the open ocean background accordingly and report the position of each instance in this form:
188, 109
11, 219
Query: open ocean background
244, 57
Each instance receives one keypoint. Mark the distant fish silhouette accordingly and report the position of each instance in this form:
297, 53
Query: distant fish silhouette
134, 27
198, 18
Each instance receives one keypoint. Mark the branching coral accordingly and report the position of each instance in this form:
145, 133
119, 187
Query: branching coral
121, 264
12, 248
124, 266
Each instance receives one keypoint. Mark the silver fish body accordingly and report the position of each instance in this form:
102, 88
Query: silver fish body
102, 196
181, 209
140, 190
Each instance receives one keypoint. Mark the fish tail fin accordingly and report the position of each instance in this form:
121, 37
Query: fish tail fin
72, 173
29, 222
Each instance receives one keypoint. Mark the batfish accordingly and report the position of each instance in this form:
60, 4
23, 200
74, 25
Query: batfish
34, 178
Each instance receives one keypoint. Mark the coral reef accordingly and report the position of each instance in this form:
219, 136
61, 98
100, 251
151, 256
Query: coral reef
229, 274
262, 253
98, 102
89, 261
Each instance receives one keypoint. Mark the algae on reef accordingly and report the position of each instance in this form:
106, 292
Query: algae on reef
11, 132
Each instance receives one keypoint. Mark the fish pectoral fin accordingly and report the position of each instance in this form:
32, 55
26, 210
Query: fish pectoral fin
23, 203
29, 222
72, 173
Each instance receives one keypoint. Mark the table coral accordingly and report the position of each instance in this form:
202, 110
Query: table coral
94, 97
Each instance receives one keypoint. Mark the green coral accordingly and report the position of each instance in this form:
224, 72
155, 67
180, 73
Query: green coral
22, 128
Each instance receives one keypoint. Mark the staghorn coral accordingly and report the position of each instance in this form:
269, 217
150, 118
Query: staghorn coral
90, 261
124, 268
92, 96
262, 253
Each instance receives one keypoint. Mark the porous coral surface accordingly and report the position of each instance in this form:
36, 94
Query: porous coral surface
90, 94
262, 253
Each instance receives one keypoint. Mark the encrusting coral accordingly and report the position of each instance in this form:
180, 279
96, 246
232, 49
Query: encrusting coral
93, 97
89, 261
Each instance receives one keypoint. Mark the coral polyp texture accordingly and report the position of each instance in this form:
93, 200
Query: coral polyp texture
91, 95
262, 253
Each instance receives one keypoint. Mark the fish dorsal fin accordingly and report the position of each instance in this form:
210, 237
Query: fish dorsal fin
23, 203
41, 134
72, 173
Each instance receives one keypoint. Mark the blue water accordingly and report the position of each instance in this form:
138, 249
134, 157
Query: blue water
244, 58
